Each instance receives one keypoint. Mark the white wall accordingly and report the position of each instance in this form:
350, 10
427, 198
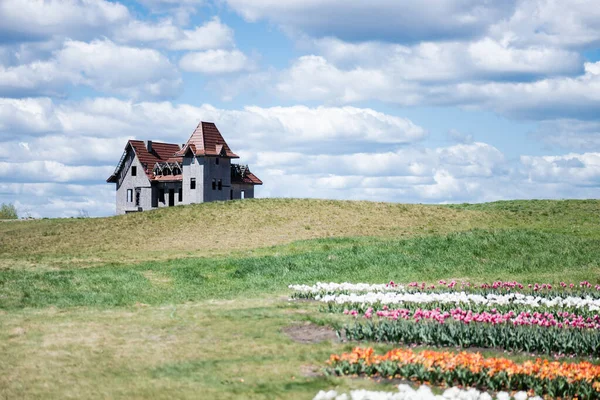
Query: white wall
131, 182
193, 170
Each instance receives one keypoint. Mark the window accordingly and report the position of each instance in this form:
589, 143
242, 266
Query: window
180, 195
220, 185
161, 195
129, 195
217, 160
137, 196
214, 184
134, 171
192, 183
242, 195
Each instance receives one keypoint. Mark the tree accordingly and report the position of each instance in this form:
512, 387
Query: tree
8, 211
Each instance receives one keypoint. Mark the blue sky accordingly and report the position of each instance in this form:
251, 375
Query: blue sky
436, 101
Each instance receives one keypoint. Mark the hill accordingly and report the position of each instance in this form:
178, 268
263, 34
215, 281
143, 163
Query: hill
194, 299
236, 227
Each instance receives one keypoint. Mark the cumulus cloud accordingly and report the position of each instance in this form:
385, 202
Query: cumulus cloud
211, 35
480, 59
569, 134
297, 127
315, 78
575, 169
24, 20
394, 20
51, 171
216, 62
100, 64
58, 200
550, 22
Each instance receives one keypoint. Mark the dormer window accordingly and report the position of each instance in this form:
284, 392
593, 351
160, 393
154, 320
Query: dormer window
134, 170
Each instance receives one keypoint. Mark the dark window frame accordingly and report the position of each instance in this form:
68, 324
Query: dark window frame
214, 184
192, 183
133, 170
217, 160
220, 185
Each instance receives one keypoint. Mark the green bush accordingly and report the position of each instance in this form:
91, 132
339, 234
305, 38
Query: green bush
8, 211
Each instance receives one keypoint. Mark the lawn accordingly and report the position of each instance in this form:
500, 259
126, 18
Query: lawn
192, 301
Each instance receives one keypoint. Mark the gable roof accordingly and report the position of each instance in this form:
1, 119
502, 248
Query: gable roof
206, 140
160, 152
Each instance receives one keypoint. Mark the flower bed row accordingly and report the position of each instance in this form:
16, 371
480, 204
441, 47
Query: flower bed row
563, 289
371, 299
530, 339
546, 319
321, 289
423, 392
542, 377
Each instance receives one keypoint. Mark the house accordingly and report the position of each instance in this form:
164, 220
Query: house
152, 175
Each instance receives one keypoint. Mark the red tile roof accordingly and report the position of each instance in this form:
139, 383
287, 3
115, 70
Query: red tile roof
206, 140
241, 174
161, 152
252, 179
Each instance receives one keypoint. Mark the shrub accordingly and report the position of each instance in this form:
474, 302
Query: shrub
8, 211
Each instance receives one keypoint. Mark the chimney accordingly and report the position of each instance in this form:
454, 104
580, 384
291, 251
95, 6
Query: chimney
149, 146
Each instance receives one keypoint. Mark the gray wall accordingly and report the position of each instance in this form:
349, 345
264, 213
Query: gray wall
237, 191
214, 171
167, 186
132, 182
193, 170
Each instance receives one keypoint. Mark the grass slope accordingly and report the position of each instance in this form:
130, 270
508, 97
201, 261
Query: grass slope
218, 228
525, 255
152, 319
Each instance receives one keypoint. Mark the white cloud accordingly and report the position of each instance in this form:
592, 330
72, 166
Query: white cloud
216, 62
41, 19
26, 116
396, 20
58, 199
450, 61
211, 35
296, 127
574, 169
569, 134
551, 22
314, 78
100, 64
66, 149
51, 171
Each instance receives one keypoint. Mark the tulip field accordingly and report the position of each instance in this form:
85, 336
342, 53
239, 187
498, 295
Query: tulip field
560, 321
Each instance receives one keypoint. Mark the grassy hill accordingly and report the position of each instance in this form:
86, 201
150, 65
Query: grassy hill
237, 227
187, 300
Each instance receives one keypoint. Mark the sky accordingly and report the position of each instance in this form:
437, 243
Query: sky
431, 101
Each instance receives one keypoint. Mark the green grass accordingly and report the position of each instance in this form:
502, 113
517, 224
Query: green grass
191, 302
480, 255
